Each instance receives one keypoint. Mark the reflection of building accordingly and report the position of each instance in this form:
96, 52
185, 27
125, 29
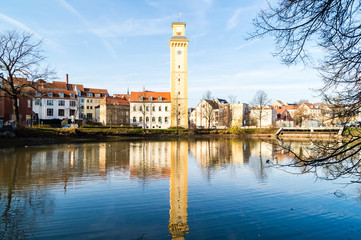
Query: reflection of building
149, 159
178, 190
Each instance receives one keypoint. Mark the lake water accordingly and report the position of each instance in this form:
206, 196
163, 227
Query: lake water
196, 189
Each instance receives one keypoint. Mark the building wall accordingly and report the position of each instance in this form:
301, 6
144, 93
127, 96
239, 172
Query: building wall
268, 117
164, 113
89, 107
202, 115
239, 114
111, 114
41, 106
179, 75
25, 109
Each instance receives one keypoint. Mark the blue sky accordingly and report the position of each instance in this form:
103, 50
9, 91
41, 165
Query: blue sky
120, 44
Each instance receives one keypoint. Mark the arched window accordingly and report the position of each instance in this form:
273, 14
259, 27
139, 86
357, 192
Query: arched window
160, 119
160, 99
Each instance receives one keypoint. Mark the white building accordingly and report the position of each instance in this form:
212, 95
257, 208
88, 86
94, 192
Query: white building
150, 109
54, 101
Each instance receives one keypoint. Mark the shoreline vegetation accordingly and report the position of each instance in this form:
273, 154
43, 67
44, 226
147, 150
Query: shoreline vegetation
47, 135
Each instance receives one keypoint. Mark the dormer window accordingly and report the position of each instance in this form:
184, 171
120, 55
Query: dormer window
61, 94
160, 99
150, 98
140, 98
38, 94
89, 94
50, 94
72, 95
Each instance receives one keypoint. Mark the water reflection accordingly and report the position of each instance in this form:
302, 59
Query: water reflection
178, 190
33, 180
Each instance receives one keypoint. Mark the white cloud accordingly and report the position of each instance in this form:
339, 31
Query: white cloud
234, 20
106, 44
18, 25
249, 43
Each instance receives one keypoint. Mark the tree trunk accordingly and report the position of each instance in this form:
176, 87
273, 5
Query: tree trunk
16, 110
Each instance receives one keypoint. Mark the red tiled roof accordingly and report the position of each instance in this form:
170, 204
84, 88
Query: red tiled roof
114, 101
96, 90
135, 96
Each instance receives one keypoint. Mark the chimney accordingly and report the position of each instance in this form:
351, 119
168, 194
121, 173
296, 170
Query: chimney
67, 79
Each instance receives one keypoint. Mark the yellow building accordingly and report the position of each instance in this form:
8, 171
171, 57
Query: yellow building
179, 75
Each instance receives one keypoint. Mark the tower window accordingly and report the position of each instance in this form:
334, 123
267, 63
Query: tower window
178, 79
178, 33
178, 93
178, 66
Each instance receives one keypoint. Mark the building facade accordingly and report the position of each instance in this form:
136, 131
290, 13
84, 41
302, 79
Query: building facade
179, 75
114, 111
150, 109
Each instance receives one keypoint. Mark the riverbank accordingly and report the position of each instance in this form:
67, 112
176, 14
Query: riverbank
40, 136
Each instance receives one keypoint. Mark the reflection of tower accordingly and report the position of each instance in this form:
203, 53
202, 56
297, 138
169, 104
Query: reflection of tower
178, 190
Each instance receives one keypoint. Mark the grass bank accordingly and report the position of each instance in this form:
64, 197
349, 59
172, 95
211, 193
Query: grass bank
47, 135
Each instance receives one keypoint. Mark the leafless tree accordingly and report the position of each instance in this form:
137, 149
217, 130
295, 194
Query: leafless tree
334, 27
207, 95
259, 102
20, 57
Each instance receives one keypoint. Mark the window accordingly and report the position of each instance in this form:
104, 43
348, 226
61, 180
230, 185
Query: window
49, 112
160, 119
29, 104
140, 119
87, 100
82, 100
37, 101
98, 95
87, 107
153, 119
134, 108
140, 98
153, 108
89, 115
50, 94
38, 94
61, 113
72, 95
72, 103
140, 108
166, 109
91, 107
50, 103
61, 94
160, 99
166, 119
178, 93
134, 119
178, 66
160, 108
178, 79
147, 108
61, 103
150, 98
72, 112
89, 94
147, 119
91, 100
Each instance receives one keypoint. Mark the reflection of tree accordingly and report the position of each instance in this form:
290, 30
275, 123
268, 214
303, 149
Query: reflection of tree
20, 201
